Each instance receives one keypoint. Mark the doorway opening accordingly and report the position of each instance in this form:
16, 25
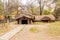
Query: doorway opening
24, 21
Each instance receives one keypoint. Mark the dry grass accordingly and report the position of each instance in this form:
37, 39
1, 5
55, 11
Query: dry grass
38, 22
54, 29
4, 28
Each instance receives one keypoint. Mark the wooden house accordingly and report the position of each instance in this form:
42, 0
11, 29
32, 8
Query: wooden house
25, 18
29, 18
45, 18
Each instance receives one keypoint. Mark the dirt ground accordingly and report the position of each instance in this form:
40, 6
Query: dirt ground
25, 34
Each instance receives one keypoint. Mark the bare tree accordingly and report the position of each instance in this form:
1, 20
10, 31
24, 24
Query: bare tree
41, 5
31, 5
10, 7
2, 19
1, 7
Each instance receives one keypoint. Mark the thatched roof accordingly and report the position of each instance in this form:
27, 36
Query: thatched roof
35, 17
28, 15
39, 18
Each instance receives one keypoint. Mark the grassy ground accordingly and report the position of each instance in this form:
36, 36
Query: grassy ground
48, 31
39, 23
54, 28
4, 28
34, 30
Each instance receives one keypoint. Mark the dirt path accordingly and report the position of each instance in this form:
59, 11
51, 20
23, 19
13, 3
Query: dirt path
11, 33
27, 35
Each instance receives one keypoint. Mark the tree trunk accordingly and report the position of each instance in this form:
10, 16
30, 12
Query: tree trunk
40, 8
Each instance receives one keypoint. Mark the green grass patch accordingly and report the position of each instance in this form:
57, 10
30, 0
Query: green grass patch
54, 29
34, 30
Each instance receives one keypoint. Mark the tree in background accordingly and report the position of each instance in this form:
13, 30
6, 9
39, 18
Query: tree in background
2, 17
11, 7
31, 6
1, 7
43, 3
57, 8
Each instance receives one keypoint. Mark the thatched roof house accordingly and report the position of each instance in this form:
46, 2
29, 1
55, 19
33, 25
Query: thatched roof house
29, 18
44, 18
25, 18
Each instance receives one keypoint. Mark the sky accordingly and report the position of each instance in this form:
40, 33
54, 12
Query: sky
23, 1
